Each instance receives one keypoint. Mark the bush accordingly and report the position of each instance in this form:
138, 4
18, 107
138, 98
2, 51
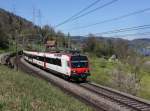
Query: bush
103, 63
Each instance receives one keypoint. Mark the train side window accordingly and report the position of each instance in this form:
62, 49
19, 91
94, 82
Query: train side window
58, 62
53, 61
29, 56
37, 57
48, 60
41, 58
34, 57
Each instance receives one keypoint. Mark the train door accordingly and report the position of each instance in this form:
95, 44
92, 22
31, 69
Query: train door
44, 62
68, 68
64, 67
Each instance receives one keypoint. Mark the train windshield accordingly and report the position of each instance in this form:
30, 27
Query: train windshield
79, 62
79, 58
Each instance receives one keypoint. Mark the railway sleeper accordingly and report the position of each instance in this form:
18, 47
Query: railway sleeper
145, 109
139, 107
125, 101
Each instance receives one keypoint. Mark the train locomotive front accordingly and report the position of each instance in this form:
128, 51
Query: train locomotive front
79, 67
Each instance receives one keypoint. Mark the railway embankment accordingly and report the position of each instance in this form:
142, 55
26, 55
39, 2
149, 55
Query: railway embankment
101, 98
20, 91
99, 101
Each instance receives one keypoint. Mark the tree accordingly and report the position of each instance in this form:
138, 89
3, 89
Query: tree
90, 43
121, 49
48, 32
127, 77
99, 46
61, 40
109, 48
4, 43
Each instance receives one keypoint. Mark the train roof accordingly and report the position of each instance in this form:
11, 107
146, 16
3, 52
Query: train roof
55, 53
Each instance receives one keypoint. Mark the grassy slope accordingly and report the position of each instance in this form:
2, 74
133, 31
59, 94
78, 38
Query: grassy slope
1, 51
100, 70
145, 89
21, 92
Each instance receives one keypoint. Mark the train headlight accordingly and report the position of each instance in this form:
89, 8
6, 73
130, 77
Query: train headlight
73, 71
87, 71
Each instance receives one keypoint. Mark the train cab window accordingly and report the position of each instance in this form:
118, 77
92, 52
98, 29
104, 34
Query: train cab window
79, 58
79, 64
79, 61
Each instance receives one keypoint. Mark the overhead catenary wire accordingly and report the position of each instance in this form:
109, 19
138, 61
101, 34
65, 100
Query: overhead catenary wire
133, 34
113, 19
141, 27
70, 18
123, 35
100, 7
86, 13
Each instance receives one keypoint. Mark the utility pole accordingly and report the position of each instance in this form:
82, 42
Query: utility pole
69, 41
16, 40
39, 17
56, 43
33, 15
40, 25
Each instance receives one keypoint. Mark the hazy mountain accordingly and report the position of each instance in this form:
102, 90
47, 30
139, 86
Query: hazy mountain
138, 43
141, 43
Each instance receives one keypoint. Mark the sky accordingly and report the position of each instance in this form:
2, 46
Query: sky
53, 12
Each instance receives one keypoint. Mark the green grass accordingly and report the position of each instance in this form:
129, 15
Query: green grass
145, 87
100, 69
101, 73
2, 51
21, 92
147, 58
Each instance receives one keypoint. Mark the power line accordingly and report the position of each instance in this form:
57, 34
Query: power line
113, 19
133, 34
86, 13
111, 2
125, 29
70, 18
125, 35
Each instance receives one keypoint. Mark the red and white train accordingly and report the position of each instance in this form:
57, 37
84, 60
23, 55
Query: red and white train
70, 66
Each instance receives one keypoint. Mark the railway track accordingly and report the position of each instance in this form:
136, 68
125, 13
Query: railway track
122, 99
125, 101
103, 98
